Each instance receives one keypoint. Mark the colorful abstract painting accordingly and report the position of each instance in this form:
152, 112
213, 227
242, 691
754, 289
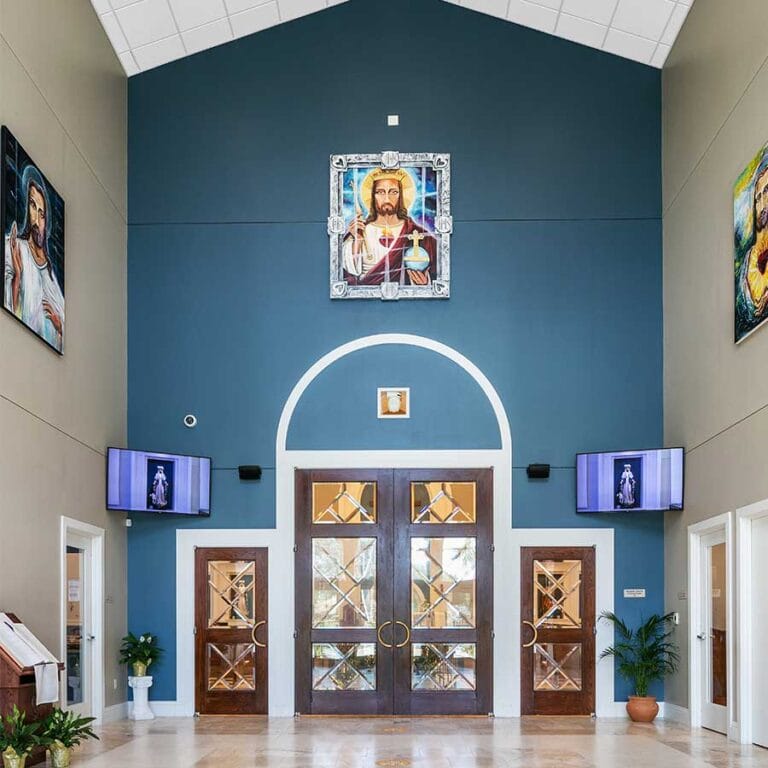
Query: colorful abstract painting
750, 215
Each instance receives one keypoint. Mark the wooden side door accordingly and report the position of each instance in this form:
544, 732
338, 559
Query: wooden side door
443, 569
231, 631
344, 592
557, 632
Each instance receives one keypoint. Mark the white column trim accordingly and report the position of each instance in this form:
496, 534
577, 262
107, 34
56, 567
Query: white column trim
744, 518
602, 540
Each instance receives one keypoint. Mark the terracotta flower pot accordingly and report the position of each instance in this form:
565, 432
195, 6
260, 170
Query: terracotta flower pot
642, 709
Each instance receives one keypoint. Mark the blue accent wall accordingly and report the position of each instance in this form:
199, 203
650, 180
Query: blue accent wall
556, 265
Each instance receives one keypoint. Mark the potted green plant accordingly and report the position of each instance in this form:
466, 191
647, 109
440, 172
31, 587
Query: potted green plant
643, 655
139, 652
64, 730
18, 738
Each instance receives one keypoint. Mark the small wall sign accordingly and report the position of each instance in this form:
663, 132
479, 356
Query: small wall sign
634, 593
393, 402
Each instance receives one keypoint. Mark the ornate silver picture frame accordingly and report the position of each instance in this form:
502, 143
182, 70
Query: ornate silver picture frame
390, 226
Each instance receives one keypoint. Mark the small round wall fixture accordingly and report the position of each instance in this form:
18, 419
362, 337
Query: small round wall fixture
190, 421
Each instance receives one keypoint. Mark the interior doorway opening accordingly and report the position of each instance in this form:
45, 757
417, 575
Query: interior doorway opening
711, 624
82, 617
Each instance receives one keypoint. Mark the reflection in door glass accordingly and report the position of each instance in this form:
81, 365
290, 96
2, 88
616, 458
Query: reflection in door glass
344, 666
445, 503
557, 667
443, 666
718, 614
75, 628
343, 583
231, 593
343, 503
557, 594
443, 583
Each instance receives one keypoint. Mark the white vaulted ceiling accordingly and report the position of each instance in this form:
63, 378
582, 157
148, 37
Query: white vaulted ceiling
148, 33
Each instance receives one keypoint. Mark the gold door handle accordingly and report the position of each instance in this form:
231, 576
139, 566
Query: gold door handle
535, 634
253, 635
378, 634
407, 634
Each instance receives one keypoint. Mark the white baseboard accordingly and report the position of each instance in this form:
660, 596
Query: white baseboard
164, 709
115, 712
674, 713
618, 709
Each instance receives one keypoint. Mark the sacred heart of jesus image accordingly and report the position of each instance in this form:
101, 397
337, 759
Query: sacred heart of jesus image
390, 226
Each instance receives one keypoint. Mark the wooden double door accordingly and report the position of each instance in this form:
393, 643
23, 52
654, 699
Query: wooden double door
231, 631
394, 590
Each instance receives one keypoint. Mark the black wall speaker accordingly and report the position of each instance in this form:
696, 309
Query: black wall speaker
538, 471
249, 472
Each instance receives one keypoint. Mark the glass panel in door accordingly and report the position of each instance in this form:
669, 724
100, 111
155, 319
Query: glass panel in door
718, 688
76, 663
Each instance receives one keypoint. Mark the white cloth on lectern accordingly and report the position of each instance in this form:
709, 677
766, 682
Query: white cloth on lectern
46, 682
28, 651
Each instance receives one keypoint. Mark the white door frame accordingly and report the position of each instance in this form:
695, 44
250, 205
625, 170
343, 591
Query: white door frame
602, 540
94, 570
696, 532
744, 518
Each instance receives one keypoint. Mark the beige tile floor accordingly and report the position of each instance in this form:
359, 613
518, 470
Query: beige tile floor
252, 742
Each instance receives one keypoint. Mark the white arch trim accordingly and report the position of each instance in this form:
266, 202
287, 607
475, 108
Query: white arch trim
394, 338
280, 540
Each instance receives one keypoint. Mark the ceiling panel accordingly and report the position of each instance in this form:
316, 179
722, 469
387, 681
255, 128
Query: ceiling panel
148, 33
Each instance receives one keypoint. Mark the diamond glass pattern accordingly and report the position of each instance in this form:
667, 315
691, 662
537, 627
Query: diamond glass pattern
344, 666
443, 502
443, 666
231, 586
334, 503
443, 583
557, 594
343, 583
557, 667
231, 666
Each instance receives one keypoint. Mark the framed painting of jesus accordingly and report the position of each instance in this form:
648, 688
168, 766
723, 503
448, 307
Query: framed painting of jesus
390, 226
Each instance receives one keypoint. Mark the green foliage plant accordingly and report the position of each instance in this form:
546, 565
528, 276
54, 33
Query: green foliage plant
67, 729
645, 654
142, 649
18, 737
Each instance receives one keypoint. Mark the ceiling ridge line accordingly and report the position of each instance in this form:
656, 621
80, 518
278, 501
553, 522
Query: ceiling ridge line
609, 26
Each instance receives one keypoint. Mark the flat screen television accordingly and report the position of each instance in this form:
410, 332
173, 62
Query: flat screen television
629, 481
164, 483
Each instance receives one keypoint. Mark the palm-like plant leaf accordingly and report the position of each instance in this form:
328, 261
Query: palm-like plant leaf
644, 654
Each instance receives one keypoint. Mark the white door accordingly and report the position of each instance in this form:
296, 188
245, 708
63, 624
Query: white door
78, 598
712, 634
759, 630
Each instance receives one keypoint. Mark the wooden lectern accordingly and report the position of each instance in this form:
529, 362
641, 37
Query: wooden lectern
17, 686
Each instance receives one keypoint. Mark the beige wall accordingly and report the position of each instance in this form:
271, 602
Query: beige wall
63, 94
715, 118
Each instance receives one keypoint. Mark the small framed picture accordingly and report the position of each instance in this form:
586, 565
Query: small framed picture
394, 402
